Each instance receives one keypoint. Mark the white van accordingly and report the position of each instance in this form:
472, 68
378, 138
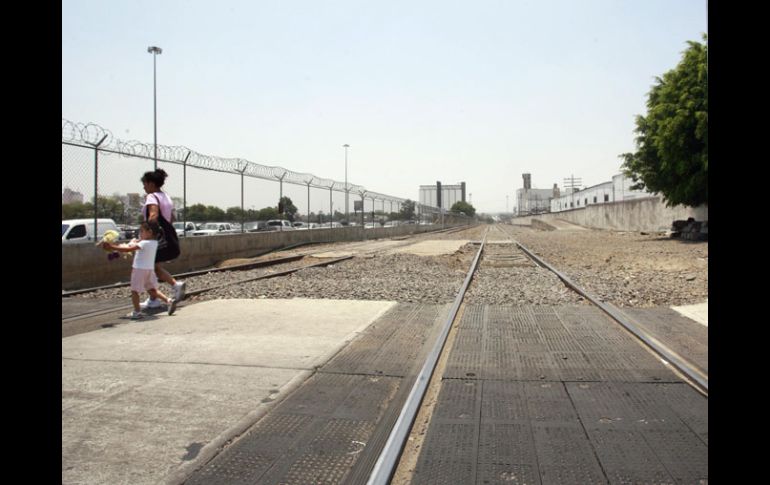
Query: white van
279, 225
82, 230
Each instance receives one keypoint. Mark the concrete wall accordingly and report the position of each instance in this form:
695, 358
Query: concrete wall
85, 265
647, 214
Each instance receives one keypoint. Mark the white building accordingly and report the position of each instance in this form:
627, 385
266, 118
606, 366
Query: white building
615, 191
534, 201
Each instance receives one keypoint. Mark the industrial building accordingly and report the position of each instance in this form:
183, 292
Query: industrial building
617, 190
449, 195
534, 201
537, 201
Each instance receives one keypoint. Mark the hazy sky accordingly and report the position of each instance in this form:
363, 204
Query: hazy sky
478, 91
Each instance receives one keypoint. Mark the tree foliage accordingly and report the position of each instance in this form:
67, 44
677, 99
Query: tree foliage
407, 210
77, 210
264, 214
114, 208
110, 207
672, 146
287, 208
463, 207
234, 214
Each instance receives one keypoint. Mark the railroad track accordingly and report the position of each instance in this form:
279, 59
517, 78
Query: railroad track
121, 308
380, 456
199, 291
388, 459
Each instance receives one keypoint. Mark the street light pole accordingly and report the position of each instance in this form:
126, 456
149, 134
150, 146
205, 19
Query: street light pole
155, 51
346, 146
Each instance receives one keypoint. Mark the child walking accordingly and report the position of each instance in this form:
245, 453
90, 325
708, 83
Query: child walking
143, 276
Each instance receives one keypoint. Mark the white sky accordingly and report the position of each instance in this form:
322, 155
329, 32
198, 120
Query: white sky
478, 91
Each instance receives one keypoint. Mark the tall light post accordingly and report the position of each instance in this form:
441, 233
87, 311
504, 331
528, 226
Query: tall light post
155, 51
346, 146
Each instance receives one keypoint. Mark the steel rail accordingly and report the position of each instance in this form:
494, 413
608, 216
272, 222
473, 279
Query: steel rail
210, 288
697, 379
235, 267
388, 460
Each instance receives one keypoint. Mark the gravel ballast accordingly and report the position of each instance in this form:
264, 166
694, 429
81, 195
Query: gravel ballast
625, 269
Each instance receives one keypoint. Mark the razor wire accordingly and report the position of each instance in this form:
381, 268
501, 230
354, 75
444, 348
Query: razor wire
90, 134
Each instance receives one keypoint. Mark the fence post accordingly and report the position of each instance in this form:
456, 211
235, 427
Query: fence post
280, 194
363, 225
96, 186
243, 214
184, 194
308, 201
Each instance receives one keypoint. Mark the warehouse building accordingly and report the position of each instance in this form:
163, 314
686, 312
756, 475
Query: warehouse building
617, 190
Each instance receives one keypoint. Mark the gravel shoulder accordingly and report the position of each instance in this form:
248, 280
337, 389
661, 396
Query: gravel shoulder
627, 269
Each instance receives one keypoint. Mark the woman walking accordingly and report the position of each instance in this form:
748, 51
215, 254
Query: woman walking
159, 208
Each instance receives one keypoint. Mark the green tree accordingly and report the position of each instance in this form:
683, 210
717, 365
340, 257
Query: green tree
77, 210
214, 213
287, 208
203, 213
407, 210
196, 212
109, 207
672, 146
463, 207
267, 213
234, 214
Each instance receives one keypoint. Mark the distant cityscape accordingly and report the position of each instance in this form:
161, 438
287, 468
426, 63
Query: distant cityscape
130, 201
529, 200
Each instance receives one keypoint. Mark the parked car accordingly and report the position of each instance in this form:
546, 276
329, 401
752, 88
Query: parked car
329, 225
82, 230
183, 229
255, 226
301, 225
371, 225
213, 228
279, 225
129, 232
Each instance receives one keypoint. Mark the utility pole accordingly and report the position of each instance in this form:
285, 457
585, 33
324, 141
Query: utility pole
155, 51
572, 183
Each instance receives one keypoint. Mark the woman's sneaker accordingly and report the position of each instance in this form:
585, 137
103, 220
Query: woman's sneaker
135, 315
171, 305
150, 303
179, 290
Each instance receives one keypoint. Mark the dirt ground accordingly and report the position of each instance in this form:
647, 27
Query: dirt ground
629, 269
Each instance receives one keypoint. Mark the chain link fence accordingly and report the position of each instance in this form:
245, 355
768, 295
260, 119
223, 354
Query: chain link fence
101, 179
